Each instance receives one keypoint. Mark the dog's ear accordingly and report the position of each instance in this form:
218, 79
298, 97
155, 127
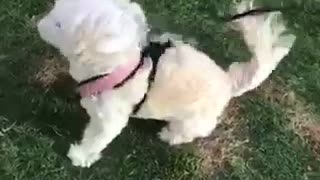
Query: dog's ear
118, 35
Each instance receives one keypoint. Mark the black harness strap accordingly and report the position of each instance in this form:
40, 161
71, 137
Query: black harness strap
154, 50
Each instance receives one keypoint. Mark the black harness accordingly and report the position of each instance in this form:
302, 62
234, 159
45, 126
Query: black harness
154, 50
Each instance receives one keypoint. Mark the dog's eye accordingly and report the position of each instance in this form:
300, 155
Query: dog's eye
58, 25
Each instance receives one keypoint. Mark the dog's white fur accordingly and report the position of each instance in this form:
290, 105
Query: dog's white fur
190, 91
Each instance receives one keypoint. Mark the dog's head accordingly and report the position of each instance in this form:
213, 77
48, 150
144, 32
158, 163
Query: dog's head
88, 27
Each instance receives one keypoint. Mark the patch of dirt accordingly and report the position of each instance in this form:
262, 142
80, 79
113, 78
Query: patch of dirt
229, 138
303, 121
218, 149
49, 71
53, 75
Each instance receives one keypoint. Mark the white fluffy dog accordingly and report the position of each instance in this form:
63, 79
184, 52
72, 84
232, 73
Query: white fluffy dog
103, 39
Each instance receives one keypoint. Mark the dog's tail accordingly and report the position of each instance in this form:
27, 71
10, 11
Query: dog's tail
265, 38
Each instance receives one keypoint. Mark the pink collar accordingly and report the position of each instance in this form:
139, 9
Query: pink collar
110, 81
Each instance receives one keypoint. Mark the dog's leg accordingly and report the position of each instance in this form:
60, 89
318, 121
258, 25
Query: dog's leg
185, 131
98, 134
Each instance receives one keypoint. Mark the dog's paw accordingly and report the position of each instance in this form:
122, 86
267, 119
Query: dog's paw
80, 158
173, 138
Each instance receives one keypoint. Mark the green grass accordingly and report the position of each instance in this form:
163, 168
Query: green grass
36, 126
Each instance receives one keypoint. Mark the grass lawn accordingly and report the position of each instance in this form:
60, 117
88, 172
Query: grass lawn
272, 133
